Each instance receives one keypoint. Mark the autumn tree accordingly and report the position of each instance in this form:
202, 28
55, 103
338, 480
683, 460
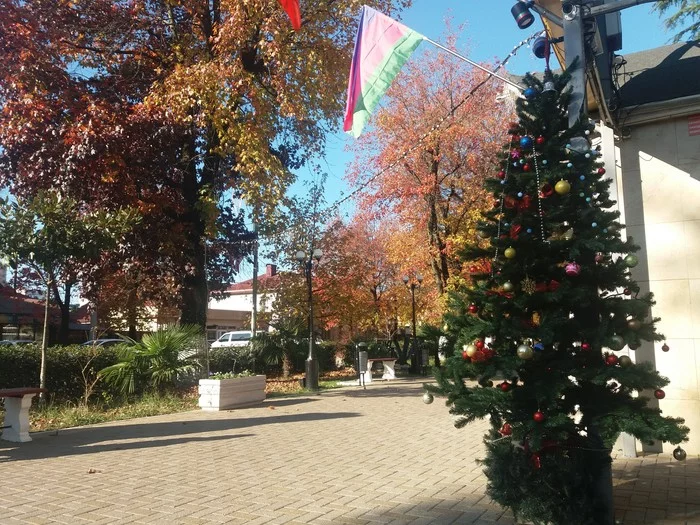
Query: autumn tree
431, 180
166, 105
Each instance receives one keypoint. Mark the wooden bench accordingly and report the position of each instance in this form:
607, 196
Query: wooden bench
387, 362
17, 403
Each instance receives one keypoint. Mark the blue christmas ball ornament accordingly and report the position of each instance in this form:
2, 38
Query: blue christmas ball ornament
582, 177
538, 346
588, 199
544, 161
520, 194
529, 230
587, 155
594, 224
530, 92
503, 182
569, 165
515, 164
581, 194
605, 230
526, 142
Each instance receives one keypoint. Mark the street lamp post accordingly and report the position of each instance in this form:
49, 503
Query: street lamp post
311, 361
413, 284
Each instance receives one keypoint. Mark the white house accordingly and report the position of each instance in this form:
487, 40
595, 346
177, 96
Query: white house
233, 311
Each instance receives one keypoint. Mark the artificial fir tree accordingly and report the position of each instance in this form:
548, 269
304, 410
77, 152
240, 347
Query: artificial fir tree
551, 317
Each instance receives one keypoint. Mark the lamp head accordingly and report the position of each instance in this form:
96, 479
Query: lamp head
318, 253
523, 16
405, 279
419, 278
300, 256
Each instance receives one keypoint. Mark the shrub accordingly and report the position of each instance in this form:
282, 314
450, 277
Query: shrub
20, 365
165, 358
232, 359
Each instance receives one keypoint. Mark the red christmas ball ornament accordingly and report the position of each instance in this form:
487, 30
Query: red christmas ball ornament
501, 174
611, 360
599, 258
465, 356
489, 353
479, 344
601, 171
539, 140
473, 269
538, 416
527, 167
473, 308
585, 347
505, 386
627, 291
506, 430
659, 394
665, 347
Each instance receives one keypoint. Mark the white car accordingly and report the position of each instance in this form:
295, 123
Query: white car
230, 339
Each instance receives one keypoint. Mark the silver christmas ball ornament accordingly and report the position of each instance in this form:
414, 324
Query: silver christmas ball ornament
679, 454
427, 398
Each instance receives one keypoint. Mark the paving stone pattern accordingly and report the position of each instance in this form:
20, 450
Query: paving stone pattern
349, 456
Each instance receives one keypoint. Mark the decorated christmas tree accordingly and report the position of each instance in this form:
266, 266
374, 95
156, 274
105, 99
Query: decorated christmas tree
543, 335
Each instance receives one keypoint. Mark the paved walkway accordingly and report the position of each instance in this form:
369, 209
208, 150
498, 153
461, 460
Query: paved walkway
350, 456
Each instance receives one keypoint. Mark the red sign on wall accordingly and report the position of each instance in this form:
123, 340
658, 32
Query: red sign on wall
694, 125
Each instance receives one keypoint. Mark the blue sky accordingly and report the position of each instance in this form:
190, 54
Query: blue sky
490, 33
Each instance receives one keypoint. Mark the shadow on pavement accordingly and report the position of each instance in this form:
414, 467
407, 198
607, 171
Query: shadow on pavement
657, 492
284, 401
90, 440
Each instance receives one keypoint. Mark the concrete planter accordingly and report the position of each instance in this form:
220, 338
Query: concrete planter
223, 394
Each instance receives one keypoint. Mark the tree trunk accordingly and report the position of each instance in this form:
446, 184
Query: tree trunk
64, 307
131, 313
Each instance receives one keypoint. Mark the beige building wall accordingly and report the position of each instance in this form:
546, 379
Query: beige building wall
659, 182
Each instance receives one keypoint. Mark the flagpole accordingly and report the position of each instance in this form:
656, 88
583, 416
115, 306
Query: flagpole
491, 73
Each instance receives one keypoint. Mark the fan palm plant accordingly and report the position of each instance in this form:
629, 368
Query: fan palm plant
161, 359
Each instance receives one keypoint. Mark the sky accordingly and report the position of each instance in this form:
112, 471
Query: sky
489, 34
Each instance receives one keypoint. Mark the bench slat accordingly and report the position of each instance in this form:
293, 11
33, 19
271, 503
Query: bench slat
20, 391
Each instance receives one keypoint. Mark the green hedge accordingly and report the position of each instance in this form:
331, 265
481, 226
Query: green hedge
20, 365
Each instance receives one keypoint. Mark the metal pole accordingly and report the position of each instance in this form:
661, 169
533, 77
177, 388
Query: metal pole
491, 73
311, 363
414, 350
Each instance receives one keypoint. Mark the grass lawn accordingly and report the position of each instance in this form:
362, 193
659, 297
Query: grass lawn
65, 415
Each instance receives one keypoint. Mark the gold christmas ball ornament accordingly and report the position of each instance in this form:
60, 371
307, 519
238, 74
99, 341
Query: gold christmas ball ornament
631, 261
625, 361
470, 350
634, 324
509, 253
525, 352
508, 286
562, 187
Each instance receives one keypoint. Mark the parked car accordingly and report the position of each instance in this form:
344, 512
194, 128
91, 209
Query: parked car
230, 339
14, 342
105, 342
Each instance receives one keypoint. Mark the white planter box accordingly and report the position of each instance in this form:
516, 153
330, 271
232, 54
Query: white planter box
222, 394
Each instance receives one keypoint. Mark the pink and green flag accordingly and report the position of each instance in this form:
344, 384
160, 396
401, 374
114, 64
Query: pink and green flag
382, 46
